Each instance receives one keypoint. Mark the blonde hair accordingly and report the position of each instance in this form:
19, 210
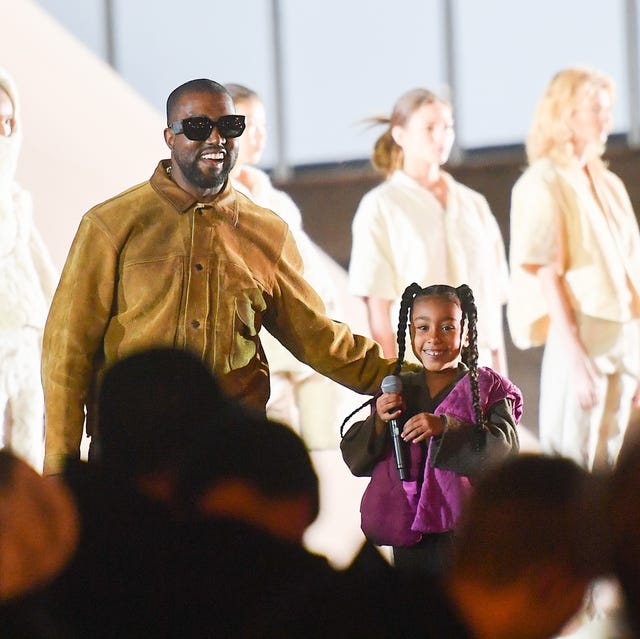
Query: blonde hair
550, 135
387, 156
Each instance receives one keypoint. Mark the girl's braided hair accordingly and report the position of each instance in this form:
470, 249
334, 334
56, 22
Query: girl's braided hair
463, 296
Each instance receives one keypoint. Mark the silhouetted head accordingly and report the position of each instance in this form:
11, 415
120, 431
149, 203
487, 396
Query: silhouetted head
151, 406
39, 528
624, 516
530, 536
256, 470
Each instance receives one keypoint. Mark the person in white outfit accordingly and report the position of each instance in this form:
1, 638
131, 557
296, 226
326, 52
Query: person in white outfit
310, 403
421, 225
575, 260
27, 283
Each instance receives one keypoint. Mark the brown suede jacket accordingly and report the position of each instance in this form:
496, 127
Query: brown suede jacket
153, 267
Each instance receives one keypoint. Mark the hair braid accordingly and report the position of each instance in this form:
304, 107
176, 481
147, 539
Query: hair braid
470, 353
370, 401
405, 304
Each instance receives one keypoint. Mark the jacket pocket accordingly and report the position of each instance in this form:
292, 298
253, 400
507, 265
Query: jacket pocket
147, 305
247, 319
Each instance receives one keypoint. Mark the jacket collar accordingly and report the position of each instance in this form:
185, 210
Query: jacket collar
182, 201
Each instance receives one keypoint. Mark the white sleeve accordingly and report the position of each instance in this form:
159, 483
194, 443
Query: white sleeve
372, 270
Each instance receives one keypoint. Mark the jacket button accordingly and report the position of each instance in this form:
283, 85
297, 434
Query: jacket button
199, 267
195, 324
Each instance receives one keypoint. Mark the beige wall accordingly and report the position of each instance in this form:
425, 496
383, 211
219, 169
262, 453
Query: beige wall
87, 134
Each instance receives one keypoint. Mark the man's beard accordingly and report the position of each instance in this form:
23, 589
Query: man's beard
206, 181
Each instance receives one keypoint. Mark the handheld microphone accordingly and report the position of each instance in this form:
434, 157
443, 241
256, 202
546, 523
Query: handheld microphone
393, 384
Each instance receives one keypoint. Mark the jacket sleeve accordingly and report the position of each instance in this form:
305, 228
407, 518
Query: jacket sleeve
302, 326
362, 447
460, 450
73, 339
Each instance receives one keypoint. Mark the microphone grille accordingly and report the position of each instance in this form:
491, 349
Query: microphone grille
391, 384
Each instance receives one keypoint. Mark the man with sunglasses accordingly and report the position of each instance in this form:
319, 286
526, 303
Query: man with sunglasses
184, 260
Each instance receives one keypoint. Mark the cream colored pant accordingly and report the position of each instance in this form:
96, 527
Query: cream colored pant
590, 437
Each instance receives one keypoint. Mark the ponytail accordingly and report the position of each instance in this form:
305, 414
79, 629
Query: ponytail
387, 156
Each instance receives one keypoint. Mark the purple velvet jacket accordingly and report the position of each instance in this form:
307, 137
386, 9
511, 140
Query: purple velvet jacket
398, 513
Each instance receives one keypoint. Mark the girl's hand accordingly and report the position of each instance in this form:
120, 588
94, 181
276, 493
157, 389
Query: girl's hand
421, 426
389, 406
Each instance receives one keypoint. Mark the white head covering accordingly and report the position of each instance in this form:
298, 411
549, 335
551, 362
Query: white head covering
9, 192
10, 146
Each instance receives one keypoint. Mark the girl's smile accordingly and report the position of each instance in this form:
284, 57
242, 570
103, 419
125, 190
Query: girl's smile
436, 332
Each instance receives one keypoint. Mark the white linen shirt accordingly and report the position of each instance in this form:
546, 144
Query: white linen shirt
401, 234
556, 220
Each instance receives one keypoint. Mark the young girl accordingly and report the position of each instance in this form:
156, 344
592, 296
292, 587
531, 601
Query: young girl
421, 210
455, 419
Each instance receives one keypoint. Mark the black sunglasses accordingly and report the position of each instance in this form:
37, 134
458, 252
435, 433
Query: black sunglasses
200, 127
